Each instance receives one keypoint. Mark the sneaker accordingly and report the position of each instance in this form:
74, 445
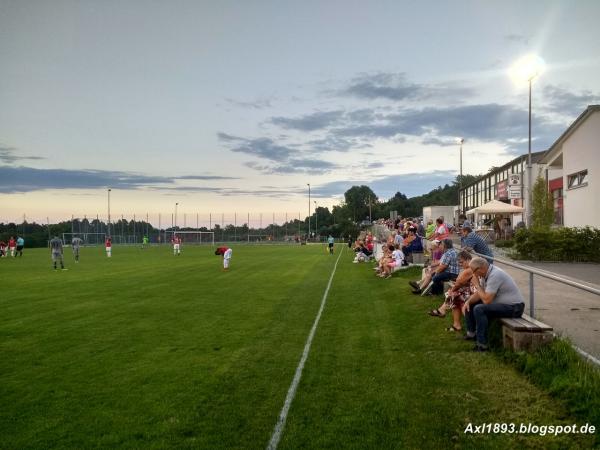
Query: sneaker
481, 348
64, 268
416, 291
468, 337
414, 284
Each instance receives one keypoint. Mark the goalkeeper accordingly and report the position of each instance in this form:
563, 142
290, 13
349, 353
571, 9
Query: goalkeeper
226, 253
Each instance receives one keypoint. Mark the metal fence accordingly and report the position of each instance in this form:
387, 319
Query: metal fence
227, 227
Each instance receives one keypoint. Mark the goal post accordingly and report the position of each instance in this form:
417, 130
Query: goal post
191, 237
87, 238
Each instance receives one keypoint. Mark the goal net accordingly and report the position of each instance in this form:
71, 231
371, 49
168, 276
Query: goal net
87, 238
191, 237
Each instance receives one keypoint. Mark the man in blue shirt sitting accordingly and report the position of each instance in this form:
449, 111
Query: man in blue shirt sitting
472, 241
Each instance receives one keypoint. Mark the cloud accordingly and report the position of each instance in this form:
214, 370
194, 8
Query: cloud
204, 177
7, 156
395, 87
411, 184
261, 147
26, 179
491, 122
310, 122
518, 38
295, 165
281, 159
568, 103
256, 104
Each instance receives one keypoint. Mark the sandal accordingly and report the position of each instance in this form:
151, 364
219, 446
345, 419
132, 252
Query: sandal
436, 313
453, 329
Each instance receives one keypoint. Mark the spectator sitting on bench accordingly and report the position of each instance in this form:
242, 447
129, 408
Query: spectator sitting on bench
429, 271
458, 294
386, 258
471, 240
448, 268
497, 295
395, 261
412, 243
363, 253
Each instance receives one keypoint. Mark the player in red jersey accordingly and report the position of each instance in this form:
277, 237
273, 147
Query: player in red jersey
108, 245
226, 253
176, 241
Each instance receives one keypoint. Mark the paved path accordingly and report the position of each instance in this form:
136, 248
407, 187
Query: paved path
572, 312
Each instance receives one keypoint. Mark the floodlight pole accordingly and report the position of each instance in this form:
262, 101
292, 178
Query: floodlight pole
175, 217
109, 211
316, 219
460, 179
529, 202
308, 184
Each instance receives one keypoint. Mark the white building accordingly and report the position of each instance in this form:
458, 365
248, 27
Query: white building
573, 171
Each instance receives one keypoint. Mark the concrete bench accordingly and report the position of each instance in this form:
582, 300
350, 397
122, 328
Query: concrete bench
525, 333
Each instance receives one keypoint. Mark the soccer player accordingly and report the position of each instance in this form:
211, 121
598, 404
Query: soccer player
12, 245
144, 241
56, 247
176, 245
226, 253
108, 245
330, 242
75, 244
20, 245
2, 249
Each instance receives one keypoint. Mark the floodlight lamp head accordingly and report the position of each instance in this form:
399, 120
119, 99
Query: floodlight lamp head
527, 68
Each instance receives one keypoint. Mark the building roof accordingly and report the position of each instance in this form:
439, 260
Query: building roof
535, 158
556, 147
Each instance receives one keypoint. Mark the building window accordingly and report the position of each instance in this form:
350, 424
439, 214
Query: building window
578, 179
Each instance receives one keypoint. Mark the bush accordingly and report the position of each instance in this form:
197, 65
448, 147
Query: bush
562, 244
504, 244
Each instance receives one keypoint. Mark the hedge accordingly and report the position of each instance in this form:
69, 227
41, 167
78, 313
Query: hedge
561, 244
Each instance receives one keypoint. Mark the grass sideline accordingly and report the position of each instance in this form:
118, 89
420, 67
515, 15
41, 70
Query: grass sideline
148, 350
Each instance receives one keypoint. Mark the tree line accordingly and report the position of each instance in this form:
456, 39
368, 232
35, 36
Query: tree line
343, 220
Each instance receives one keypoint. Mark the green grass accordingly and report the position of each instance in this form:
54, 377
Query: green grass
148, 350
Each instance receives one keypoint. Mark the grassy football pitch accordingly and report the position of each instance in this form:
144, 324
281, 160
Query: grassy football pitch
149, 350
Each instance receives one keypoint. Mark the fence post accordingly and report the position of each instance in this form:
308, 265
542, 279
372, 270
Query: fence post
531, 296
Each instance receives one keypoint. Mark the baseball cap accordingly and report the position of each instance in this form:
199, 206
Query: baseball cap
467, 224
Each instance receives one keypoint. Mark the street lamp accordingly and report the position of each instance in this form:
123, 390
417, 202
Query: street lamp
528, 68
109, 211
308, 184
316, 219
460, 178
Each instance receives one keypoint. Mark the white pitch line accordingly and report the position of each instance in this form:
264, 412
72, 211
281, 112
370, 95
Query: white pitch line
292, 390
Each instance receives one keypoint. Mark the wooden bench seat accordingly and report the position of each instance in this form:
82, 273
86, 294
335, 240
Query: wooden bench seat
525, 333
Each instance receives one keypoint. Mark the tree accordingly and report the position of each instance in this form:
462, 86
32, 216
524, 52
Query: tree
358, 199
542, 208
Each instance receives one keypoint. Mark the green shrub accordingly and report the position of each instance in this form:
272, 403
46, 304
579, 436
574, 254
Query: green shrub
562, 244
504, 244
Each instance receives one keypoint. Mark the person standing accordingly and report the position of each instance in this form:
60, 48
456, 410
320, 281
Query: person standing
56, 247
108, 245
226, 253
144, 241
176, 245
330, 242
75, 244
20, 245
2, 249
12, 245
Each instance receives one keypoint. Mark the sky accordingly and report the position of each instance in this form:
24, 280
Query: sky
234, 107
